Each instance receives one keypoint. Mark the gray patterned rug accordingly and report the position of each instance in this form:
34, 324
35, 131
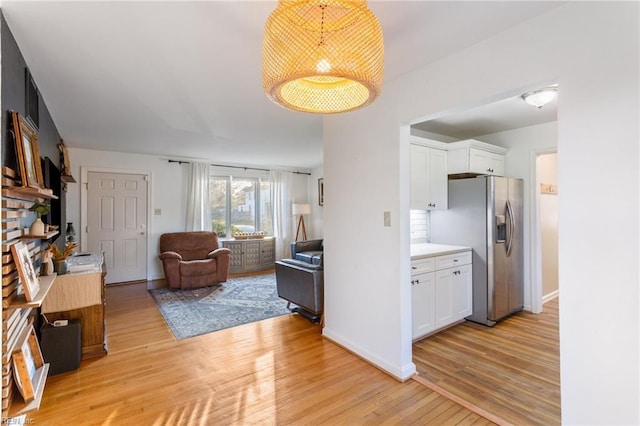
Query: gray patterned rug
238, 301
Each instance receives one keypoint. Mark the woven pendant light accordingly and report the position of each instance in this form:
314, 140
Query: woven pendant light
322, 56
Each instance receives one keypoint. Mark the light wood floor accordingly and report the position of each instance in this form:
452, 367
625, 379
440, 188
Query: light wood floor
511, 369
276, 372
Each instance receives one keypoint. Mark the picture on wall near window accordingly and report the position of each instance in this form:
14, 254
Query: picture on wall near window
321, 191
28, 153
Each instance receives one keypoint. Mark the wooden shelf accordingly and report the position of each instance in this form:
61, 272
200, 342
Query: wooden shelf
67, 179
20, 300
40, 237
20, 407
28, 193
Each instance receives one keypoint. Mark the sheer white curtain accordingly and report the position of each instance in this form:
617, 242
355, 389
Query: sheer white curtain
282, 188
198, 206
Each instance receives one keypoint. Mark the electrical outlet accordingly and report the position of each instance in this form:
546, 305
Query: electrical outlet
157, 212
387, 218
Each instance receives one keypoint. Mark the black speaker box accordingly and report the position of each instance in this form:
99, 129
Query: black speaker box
61, 346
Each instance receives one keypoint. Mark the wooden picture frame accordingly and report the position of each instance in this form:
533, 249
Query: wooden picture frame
26, 271
32, 98
64, 159
28, 153
321, 192
27, 362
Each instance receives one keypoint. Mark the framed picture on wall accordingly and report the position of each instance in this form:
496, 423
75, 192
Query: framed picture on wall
26, 271
321, 192
27, 359
27, 150
31, 97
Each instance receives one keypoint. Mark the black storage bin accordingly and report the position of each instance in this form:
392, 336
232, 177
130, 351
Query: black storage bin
61, 346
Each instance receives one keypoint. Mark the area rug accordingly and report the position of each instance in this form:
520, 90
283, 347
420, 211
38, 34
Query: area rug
238, 301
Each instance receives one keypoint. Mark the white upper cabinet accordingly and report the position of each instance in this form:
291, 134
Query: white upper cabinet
428, 177
475, 158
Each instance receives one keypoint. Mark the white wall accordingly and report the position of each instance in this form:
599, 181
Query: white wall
168, 186
316, 222
167, 193
591, 50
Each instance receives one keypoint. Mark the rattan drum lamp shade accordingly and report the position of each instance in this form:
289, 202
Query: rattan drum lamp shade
322, 56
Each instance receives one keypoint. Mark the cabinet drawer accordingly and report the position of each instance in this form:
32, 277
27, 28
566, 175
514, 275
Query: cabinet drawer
420, 266
452, 260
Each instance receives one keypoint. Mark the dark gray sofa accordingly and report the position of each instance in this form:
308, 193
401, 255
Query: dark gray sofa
300, 280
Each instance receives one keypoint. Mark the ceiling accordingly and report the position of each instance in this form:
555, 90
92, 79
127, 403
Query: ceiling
507, 114
183, 79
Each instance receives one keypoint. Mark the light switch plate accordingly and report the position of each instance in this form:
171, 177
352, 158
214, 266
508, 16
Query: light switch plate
387, 218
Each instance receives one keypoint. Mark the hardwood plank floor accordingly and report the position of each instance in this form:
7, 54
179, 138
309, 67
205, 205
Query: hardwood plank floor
512, 369
277, 372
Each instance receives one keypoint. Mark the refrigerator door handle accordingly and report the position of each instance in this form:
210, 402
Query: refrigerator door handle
511, 226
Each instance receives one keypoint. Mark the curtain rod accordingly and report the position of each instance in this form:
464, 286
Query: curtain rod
238, 167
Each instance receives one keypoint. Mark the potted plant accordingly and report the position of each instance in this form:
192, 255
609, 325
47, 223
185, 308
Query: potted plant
60, 257
40, 209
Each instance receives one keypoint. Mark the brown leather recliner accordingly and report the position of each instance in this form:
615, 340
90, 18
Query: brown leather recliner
193, 259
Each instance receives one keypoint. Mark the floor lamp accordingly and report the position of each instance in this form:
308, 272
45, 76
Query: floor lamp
301, 210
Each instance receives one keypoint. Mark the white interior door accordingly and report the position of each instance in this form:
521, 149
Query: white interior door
117, 223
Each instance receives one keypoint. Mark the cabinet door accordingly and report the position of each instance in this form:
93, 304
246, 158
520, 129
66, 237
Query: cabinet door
486, 163
252, 255
438, 179
478, 161
419, 177
268, 253
422, 303
444, 297
495, 163
236, 258
462, 296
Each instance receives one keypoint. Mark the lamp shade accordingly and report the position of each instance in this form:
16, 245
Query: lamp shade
322, 56
539, 98
300, 209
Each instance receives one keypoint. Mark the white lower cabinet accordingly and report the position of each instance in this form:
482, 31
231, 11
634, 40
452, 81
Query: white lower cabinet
443, 296
423, 288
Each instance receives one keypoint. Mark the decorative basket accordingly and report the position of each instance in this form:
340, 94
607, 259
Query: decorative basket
249, 235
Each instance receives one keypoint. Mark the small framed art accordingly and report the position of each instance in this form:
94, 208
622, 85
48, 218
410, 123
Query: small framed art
26, 271
321, 192
28, 152
27, 359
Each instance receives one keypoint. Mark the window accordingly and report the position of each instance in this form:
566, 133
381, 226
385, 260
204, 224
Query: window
240, 204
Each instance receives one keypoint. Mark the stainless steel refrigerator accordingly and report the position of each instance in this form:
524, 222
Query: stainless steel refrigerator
485, 213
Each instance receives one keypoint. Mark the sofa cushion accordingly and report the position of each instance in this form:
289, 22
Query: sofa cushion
301, 264
313, 257
193, 268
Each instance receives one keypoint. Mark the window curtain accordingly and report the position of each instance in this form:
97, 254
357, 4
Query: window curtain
198, 216
282, 188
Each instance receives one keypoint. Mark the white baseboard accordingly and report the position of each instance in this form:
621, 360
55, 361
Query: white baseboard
401, 373
550, 296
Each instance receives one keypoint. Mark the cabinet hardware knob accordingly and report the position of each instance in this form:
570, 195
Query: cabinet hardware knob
455, 260
414, 267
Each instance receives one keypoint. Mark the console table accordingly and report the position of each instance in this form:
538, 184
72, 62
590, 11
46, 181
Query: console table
81, 296
251, 254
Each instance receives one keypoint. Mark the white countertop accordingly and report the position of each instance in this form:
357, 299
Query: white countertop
430, 250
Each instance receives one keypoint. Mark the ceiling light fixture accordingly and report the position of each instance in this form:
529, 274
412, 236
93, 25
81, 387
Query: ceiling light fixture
322, 56
539, 98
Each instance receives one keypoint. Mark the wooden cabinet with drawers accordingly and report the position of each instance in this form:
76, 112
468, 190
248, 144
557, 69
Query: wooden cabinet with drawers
251, 255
